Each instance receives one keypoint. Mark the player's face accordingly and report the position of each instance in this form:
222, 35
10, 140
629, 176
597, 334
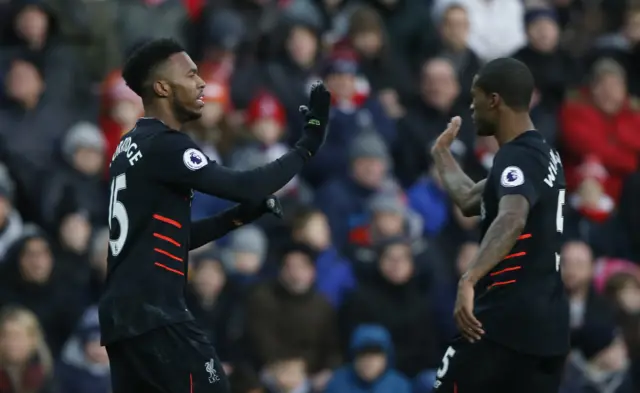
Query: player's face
187, 88
483, 110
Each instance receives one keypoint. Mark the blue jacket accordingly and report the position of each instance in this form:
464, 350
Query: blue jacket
345, 379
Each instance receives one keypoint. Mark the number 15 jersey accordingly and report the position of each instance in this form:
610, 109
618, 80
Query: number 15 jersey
521, 302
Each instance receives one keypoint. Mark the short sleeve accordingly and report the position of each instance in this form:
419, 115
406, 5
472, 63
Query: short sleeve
176, 159
517, 172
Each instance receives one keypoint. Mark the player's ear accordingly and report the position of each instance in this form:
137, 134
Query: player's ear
494, 100
161, 88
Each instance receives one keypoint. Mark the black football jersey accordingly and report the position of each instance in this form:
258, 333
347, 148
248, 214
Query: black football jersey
154, 172
521, 302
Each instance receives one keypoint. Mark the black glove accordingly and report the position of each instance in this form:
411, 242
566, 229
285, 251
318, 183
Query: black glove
316, 118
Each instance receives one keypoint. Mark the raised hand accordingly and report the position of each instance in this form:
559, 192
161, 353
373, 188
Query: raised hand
445, 139
316, 118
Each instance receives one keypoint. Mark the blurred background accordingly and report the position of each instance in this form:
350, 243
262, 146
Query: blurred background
353, 290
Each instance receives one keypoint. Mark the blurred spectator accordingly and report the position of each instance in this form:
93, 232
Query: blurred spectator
353, 113
30, 277
288, 76
343, 199
334, 274
389, 218
211, 300
26, 364
624, 291
372, 365
497, 26
590, 215
394, 299
34, 124
599, 121
586, 305
600, 362
71, 251
245, 254
140, 20
120, 109
33, 31
385, 72
223, 35
412, 34
287, 374
622, 45
84, 363
288, 316
428, 117
92, 26
80, 182
332, 16
266, 120
552, 67
454, 29
10, 220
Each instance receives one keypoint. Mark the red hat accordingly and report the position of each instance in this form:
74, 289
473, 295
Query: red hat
266, 106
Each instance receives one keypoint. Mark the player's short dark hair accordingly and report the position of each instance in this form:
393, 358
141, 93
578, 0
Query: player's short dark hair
144, 60
511, 79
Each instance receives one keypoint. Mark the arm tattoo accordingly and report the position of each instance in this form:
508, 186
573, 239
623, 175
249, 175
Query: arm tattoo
500, 237
464, 192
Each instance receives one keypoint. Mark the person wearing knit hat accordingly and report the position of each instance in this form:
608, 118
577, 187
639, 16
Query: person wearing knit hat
267, 122
216, 103
246, 251
266, 118
369, 160
83, 147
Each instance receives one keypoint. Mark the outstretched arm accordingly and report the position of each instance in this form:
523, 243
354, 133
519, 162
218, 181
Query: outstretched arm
175, 159
466, 193
212, 228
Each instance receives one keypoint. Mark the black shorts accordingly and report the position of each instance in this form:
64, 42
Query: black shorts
487, 367
173, 359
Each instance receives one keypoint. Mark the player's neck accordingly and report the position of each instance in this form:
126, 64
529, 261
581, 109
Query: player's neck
166, 116
512, 125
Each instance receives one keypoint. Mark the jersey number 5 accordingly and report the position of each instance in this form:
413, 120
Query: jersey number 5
442, 371
559, 221
118, 212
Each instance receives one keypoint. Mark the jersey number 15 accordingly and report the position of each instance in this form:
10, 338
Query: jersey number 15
118, 212
559, 221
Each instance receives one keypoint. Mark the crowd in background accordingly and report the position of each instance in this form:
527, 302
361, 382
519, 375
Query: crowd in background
353, 290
